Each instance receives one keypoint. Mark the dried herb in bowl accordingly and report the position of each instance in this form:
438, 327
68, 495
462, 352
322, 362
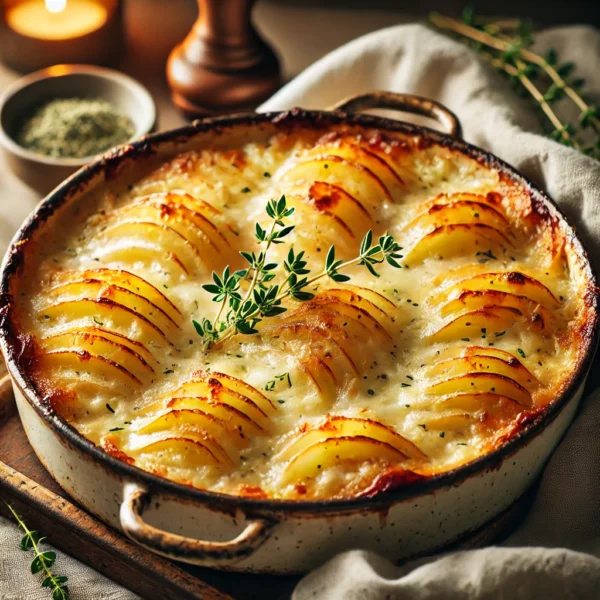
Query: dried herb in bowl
75, 128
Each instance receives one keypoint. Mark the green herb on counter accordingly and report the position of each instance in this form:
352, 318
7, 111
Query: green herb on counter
42, 561
507, 46
75, 128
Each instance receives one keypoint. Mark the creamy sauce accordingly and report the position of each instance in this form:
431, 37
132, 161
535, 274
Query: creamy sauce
478, 327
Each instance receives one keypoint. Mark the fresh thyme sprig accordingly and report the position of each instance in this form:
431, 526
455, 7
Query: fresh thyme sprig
506, 45
42, 561
240, 312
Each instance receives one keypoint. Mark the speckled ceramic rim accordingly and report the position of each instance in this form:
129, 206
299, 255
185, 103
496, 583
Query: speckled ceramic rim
109, 76
77, 184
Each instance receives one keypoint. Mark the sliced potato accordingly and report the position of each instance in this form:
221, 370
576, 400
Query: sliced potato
340, 426
80, 360
179, 452
322, 376
540, 317
214, 390
448, 241
117, 352
474, 363
512, 282
244, 389
348, 150
477, 324
459, 211
482, 383
144, 252
165, 237
106, 312
131, 282
332, 200
325, 307
450, 421
92, 288
333, 351
321, 455
213, 431
235, 418
382, 310
475, 402
354, 179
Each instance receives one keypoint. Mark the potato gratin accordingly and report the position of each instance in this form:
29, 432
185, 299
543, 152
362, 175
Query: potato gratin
372, 384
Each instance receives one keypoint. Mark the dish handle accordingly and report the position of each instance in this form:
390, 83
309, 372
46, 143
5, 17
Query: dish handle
178, 547
404, 102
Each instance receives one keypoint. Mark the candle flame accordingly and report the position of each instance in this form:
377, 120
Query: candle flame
56, 6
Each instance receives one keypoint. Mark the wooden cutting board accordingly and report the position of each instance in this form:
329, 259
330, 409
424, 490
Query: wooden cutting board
31, 491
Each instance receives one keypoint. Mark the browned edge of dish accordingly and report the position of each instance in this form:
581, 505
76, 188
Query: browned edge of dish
110, 165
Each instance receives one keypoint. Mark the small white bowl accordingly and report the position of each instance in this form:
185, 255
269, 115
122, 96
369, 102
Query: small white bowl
43, 173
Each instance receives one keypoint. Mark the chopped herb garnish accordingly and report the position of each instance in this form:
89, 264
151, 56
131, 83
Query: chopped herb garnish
98, 322
461, 444
465, 339
483, 332
442, 434
371, 392
245, 190
116, 429
500, 333
266, 174
110, 408
423, 426
521, 353
168, 371
281, 401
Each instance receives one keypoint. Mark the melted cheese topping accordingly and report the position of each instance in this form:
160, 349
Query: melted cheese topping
378, 382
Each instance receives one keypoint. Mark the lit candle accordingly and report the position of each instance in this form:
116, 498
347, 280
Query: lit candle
56, 19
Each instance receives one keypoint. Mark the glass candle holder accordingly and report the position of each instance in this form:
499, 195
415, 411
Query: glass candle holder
35, 34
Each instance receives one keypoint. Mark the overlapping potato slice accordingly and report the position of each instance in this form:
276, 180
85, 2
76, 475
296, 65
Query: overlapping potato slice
539, 316
117, 349
106, 313
129, 281
482, 383
458, 239
339, 426
491, 199
212, 432
475, 363
344, 212
194, 220
331, 452
348, 441
477, 323
351, 150
334, 329
510, 282
215, 391
179, 452
95, 288
459, 211
356, 180
75, 361
157, 236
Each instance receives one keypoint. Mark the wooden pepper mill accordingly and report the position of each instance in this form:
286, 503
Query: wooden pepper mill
223, 65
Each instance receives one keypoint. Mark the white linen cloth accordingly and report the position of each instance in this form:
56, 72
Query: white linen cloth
555, 554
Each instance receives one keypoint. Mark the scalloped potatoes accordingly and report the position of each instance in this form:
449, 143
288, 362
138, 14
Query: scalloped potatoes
403, 376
